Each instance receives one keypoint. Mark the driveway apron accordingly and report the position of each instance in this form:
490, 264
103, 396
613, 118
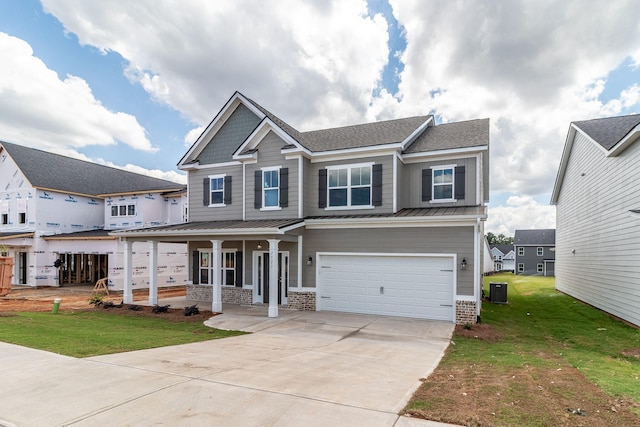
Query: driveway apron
302, 368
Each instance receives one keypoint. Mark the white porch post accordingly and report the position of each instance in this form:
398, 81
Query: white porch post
216, 271
273, 277
153, 272
127, 293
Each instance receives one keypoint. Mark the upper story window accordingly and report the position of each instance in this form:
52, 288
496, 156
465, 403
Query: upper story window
5, 219
123, 210
22, 211
443, 183
271, 188
350, 186
521, 251
216, 190
540, 251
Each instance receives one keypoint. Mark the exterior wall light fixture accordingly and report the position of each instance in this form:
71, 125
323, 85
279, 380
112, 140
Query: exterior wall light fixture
463, 264
309, 261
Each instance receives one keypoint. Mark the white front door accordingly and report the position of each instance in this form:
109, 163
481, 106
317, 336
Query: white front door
261, 277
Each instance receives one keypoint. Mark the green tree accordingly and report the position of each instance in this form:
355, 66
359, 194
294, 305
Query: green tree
500, 239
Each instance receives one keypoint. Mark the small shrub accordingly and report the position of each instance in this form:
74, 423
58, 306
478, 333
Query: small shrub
96, 300
468, 326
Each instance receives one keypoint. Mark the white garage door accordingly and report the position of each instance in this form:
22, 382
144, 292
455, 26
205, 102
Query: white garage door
407, 286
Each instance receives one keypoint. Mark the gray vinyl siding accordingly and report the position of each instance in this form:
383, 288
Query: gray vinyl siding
450, 240
230, 136
269, 154
530, 259
411, 187
311, 201
593, 219
199, 212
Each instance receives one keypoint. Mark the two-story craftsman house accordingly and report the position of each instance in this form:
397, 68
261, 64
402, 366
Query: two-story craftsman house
383, 218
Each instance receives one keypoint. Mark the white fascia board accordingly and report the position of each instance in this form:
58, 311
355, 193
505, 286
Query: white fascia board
454, 153
629, 139
393, 222
217, 122
215, 165
564, 160
260, 132
408, 140
355, 153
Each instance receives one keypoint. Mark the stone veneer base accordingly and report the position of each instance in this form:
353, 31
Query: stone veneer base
466, 312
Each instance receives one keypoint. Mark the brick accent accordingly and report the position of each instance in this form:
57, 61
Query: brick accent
200, 293
466, 312
237, 296
304, 301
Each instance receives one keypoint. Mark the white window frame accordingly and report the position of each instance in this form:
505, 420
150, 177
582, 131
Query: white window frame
540, 268
349, 186
22, 211
498, 266
223, 268
264, 189
540, 251
123, 208
434, 185
521, 267
211, 178
521, 251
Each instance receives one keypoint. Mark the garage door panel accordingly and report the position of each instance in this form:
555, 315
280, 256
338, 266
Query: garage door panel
412, 286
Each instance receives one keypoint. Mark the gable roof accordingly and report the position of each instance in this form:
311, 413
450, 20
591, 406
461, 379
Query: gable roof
609, 131
541, 237
505, 249
50, 171
471, 133
611, 134
362, 135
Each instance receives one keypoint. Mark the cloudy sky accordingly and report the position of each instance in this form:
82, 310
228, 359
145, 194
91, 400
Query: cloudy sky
131, 83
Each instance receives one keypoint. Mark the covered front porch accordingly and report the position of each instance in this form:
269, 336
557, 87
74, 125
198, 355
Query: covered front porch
251, 263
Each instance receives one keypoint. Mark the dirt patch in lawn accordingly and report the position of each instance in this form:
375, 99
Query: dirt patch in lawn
632, 352
482, 395
480, 331
77, 299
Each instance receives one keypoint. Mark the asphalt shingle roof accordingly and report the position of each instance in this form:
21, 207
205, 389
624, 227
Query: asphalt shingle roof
472, 133
543, 237
609, 131
55, 172
505, 249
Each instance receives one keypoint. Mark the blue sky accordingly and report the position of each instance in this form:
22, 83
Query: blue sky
132, 84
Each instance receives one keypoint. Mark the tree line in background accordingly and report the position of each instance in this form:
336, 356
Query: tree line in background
500, 239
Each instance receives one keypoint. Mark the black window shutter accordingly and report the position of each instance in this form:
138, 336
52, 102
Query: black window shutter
257, 191
284, 187
227, 190
196, 267
376, 180
426, 185
206, 189
239, 269
322, 188
459, 182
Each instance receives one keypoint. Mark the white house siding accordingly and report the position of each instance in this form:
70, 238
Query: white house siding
593, 219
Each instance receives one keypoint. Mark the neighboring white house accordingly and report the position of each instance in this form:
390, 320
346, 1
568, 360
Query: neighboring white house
504, 257
56, 213
597, 198
487, 258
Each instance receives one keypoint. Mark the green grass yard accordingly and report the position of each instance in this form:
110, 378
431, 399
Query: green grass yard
92, 333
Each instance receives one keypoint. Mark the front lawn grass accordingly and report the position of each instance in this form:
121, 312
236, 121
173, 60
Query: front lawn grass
85, 334
544, 355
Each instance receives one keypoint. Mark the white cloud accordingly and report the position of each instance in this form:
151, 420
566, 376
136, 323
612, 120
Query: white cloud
314, 64
42, 110
520, 213
155, 173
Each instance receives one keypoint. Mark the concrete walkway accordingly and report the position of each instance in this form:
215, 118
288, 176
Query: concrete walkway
302, 368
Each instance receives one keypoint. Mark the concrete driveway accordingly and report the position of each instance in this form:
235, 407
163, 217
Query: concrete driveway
303, 368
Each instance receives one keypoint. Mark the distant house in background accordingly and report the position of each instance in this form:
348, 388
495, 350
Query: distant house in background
535, 252
56, 214
597, 198
487, 259
504, 257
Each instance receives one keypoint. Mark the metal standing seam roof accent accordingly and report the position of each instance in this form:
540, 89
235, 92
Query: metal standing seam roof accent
60, 173
14, 234
268, 225
81, 235
415, 213
609, 131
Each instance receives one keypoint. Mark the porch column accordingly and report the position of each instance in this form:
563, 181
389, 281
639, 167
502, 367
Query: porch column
216, 271
273, 277
127, 293
153, 272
